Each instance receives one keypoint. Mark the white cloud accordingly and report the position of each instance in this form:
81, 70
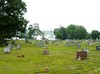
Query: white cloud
51, 14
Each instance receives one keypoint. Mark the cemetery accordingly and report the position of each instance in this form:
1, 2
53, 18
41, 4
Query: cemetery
29, 48
59, 59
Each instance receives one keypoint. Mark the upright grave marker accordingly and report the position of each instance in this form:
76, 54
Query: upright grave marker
98, 47
6, 50
81, 55
45, 51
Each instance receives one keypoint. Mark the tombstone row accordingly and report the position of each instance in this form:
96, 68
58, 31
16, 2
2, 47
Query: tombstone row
9, 47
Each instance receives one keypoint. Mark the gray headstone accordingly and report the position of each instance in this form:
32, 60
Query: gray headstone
45, 52
10, 46
18, 46
98, 47
78, 45
90, 43
6, 50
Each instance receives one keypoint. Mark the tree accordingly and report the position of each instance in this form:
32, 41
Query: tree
95, 34
60, 33
70, 31
34, 30
31, 31
11, 18
80, 32
88, 36
76, 32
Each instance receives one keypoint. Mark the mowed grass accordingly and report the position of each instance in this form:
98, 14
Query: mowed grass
60, 60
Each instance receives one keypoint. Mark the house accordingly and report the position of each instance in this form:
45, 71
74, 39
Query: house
47, 34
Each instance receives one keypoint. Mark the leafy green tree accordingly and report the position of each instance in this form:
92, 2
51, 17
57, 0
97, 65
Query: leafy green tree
34, 30
11, 18
76, 32
31, 31
60, 33
57, 33
95, 34
80, 32
88, 36
70, 31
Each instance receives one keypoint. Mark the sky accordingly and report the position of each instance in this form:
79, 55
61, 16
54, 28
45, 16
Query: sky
51, 14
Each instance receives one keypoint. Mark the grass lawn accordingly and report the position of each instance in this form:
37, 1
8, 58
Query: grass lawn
60, 60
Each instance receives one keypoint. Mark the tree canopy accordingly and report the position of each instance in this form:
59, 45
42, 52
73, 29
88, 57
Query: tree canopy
71, 32
95, 34
11, 17
60, 33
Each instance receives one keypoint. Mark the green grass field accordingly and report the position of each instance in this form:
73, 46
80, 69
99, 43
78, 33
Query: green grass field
60, 60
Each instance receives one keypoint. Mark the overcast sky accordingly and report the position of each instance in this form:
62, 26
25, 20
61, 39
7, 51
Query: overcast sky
51, 14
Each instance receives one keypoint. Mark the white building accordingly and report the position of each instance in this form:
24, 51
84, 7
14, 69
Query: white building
47, 34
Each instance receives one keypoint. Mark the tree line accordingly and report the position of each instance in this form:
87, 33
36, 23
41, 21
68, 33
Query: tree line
75, 32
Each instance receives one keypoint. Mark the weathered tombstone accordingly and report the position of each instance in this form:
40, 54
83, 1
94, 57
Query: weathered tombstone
68, 42
45, 51
6, 50
98, 47
81, 55
90, 43
10, 46
78, 45
46, 41
40, 44
30, 42
18, 46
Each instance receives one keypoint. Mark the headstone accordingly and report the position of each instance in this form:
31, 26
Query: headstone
78, 45
40, 44
68, 42
18, 46
6, 50
10, 46
90, 43
98, 47
46, 41
81, 55
45, 51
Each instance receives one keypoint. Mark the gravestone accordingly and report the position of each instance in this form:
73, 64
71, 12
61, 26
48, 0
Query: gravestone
98, 47
46, 41
18, 46
6, 50
40, 44
45, 51
78, 45
67, 44
81, 55
10, 46
90, 43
